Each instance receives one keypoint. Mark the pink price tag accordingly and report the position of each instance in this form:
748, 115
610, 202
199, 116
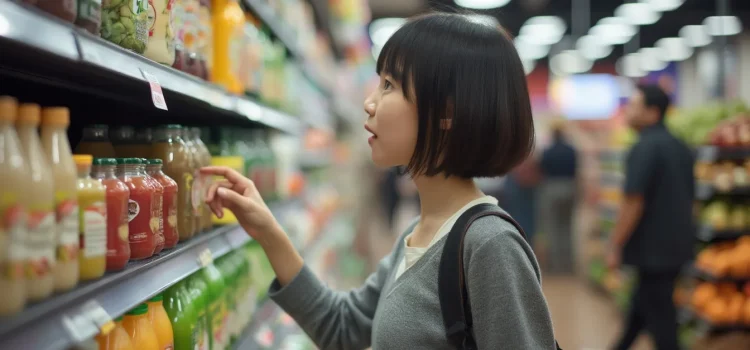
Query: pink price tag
157, 95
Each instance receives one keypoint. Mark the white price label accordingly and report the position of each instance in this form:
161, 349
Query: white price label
98, 316
205, 257
157, 95
265, 336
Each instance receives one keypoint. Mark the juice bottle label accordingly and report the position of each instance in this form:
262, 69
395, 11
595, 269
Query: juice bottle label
170, 202
196, 193
40, 242
66, 215
12, 236
201, 337
133, 209
218, 317
157, 220
94, 230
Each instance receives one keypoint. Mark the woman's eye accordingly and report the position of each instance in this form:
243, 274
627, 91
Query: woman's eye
387, 84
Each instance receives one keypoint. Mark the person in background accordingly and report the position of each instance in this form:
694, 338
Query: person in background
557, 200
654, 231
520, 195
391, 195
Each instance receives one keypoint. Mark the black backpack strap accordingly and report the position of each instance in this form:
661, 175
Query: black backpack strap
452, 292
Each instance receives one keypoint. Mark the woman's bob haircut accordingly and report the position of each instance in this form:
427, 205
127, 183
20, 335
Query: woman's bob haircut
469, 87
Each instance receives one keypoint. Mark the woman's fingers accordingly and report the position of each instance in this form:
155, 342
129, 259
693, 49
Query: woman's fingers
217, 208
232, 199
228, 173
211, 192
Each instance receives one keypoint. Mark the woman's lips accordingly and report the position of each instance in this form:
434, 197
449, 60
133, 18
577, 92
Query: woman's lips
371, 138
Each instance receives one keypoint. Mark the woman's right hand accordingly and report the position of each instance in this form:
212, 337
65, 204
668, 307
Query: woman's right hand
238, 194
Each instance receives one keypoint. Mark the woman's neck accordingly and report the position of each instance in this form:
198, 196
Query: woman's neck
440, 198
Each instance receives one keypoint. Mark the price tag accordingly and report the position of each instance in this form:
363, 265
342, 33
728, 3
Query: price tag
205, 257
249, 109
79, 326
157, 95
99, 316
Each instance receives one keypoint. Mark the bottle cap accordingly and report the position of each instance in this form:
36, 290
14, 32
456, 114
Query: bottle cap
105, 161
154, 162
83, 159
59, 116
128, 160
8, 109
29, 113
138, 310
173, 126
155, 298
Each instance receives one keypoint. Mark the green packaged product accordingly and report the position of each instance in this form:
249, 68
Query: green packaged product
181, 311
125, 23
199, 292
216, 305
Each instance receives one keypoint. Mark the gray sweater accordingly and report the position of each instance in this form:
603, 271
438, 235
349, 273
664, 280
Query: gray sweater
503, 281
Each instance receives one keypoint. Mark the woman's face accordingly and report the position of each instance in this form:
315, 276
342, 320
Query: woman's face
392, 121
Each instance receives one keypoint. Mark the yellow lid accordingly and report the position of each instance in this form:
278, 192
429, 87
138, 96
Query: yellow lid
236, 163
83, 159
8, 109
59, 116
29, 113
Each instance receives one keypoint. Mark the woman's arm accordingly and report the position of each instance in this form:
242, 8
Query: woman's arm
334, 320
508, 308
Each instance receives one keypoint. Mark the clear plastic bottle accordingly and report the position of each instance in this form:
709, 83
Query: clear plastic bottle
55, 121
204, 158
92, 201
13, 186
95, 141
40, 243
171, 149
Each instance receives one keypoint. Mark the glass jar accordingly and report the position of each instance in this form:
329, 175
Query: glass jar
90, 16
129, 143
156, 210
125, 23
118, 194
169, 202
95, 141
141, 225
92, 201
161, 41
66, 10
171, 149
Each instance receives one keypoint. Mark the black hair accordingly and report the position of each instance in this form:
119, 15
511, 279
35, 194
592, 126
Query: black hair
654, 96
455, 68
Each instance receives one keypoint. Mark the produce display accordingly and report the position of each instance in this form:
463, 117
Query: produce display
726, 259
726, 214
723, 303
710, 124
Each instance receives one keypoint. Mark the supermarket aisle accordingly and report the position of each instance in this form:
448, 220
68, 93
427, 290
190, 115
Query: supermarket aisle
584, 319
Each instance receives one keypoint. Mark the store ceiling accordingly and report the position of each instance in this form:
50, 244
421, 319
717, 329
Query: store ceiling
513, 15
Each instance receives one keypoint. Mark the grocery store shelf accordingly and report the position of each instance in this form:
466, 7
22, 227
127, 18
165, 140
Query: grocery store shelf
687, 315
707, 233
612, 178
710, 154
705, 191
73, 56
700, 274
74, 316
286, 35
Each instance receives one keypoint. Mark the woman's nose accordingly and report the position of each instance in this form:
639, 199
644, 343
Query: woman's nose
370, 107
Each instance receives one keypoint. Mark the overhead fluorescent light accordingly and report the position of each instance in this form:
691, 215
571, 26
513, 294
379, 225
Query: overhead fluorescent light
481, 4
674, 49
382, 29
591, 47
529, 50
663, 5
544, 30
569, 62
651, 59
723, 25
638, 14
629, 66
613, 30
528, 66
695, 35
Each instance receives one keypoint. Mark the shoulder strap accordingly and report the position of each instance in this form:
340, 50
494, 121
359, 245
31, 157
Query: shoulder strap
452, 292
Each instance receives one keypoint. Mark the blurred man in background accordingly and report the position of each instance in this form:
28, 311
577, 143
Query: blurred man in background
654, 231
519, 195
557, 200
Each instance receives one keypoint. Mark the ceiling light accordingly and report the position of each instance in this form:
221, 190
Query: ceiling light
723, 25
695, 35
613, 30
544, 30
592, 47
569, 62
528, 66
484, 19
663, 5
674, 49
637, 13
382, 29
529, 50
481, 4
651, 59
629, 66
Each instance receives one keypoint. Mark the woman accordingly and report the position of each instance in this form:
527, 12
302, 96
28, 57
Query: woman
452, 105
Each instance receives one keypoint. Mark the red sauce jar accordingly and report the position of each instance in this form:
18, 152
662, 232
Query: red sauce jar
159, 200
142, 223
118, 194
169, 202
